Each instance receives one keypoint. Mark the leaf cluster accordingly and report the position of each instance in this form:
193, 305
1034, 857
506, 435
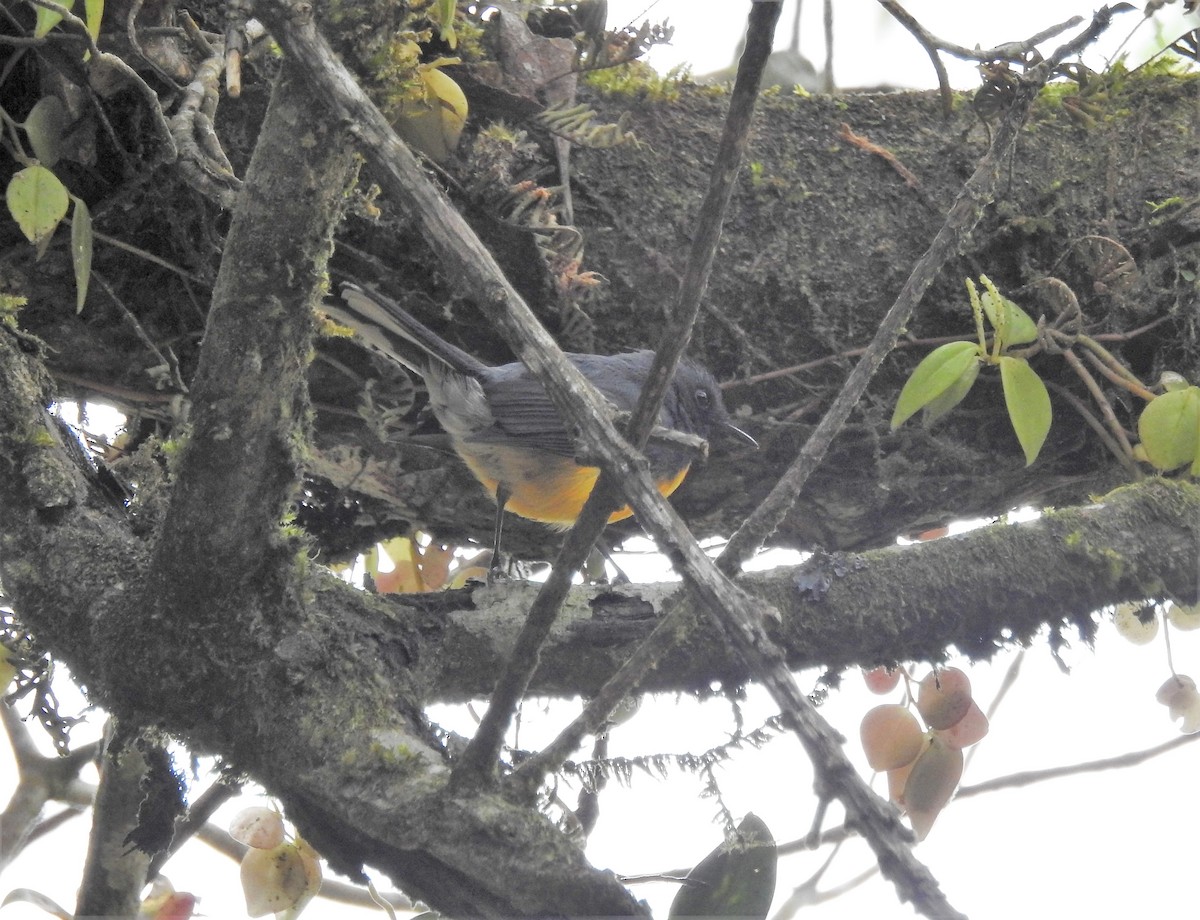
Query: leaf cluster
944, 378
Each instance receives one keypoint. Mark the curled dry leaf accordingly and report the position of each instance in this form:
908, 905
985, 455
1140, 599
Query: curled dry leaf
1128, 618
280, 880
1179, 695
258, 827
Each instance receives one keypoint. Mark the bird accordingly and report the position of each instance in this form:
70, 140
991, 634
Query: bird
505, 427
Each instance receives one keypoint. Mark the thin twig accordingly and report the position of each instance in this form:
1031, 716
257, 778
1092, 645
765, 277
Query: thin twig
1029, 777
1136, 387
1101, 400
868, 145
123, 395
1097, 426
1010, 680
167, 360
144, 254
931, 46
1016, 52
793, 369
1132, 333
827, 81
1114, 370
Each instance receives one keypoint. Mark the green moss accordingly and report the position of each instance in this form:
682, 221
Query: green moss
1168, 64
1175, 201
640, 81
1052, 93
1115, 564
172, 452
10, 305
761, 180
470, 41
500, 132
41, 438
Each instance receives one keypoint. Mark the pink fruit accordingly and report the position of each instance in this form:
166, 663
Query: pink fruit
891, 737
882, 680
944, 697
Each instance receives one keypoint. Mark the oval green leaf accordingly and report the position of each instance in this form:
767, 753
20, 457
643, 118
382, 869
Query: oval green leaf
1020, 328
937, 373
44, 126
953, 394
1028, 404
1170, 428
37, 202
737, 879
81, 250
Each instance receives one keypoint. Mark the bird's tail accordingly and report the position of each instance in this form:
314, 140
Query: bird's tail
391, 330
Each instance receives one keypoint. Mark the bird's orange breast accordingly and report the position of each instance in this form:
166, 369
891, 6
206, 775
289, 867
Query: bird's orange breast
543, 487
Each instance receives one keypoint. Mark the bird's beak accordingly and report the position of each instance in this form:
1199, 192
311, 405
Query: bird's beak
735, 430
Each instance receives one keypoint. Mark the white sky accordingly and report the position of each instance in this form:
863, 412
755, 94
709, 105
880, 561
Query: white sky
1114, 844
870, 48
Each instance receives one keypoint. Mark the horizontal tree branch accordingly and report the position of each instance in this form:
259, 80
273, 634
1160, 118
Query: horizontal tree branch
977, 592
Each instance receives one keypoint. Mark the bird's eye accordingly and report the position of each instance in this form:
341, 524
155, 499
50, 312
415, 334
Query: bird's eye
702, 398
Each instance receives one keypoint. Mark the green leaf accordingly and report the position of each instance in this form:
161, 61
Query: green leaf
737, 879
1020, 329
1170, 428
1194, 470
81, 250
37, 201
1028, 404
1172, 381
938, 372
433, 124
45, 126
48, 19
93, 13
953, 394
443, 15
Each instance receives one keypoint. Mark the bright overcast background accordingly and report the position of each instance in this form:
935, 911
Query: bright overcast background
1118, 843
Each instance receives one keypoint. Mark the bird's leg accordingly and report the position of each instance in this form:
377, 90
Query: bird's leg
495, 569
605, 549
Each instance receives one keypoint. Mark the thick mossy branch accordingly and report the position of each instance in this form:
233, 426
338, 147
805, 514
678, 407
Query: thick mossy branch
218, 639
977, 592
